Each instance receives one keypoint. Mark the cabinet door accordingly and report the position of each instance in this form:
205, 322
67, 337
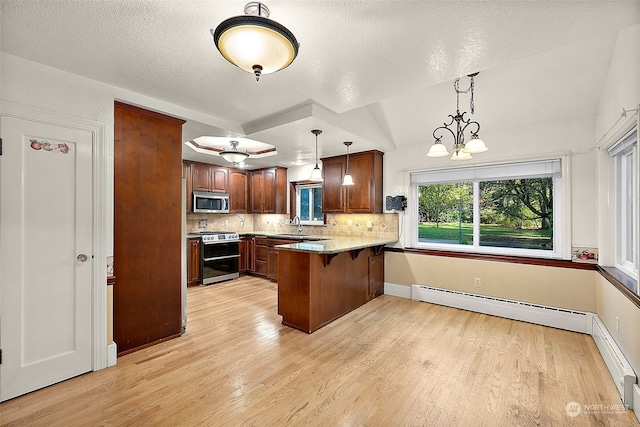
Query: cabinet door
376, 275
242, 248
333, 192
269, 189
186, 174
238, 201
201, 177
193, 262
359, 196
251, 254
219, 179
256, 192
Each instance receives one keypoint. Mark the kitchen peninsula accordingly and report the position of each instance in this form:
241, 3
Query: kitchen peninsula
321, 281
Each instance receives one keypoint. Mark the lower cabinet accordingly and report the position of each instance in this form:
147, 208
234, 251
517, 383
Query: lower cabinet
193, 261
247, 251
265, 256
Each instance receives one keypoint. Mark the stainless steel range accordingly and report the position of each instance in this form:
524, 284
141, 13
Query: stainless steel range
220, 256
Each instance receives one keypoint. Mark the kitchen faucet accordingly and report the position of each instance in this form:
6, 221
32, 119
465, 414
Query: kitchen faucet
294, 221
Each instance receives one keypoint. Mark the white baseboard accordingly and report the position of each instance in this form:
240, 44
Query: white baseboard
397, 290
112, 354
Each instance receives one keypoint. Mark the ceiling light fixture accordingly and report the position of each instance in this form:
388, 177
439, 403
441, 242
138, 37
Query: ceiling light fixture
348, 179
316, 173
461, 151
255, 43
233, 155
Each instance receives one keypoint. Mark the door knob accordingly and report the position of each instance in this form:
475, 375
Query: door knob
81, 257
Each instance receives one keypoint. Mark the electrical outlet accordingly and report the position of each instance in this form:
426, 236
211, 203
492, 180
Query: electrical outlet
369, 225
477, 282
617, 324
226, 222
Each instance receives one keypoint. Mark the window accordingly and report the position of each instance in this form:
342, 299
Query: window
624, 153
309, 203
509, 209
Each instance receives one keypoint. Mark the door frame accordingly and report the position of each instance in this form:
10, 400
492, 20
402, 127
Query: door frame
99, 325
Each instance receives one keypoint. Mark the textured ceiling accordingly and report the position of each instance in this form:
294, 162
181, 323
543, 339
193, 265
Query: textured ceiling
379, 73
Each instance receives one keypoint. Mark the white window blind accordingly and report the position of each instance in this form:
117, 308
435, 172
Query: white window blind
539, 169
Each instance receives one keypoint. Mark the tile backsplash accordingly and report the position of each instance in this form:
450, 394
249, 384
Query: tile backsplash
381, 226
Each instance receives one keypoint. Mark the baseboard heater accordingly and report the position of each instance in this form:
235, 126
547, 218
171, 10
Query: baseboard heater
571, 320
618, 365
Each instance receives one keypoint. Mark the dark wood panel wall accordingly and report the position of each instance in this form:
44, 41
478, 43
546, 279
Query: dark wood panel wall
147, 227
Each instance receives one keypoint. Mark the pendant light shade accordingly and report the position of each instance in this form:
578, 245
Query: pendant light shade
255, 43
316, 173
348, 179
233, 155
438, 149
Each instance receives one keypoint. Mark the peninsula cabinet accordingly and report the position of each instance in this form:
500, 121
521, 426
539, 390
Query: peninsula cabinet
363, 197
268, 189
210, 178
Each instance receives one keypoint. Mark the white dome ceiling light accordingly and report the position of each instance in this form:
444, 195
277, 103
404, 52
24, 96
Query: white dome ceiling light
255, 43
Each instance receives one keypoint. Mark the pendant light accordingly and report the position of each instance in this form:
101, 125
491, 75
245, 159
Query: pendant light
461, 150
233, 155
316, 173
348, 179
254, 43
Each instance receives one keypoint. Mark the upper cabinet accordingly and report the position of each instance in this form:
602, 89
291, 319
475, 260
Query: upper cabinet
268, 189
238, 191
218, 179
363, 197
211, 178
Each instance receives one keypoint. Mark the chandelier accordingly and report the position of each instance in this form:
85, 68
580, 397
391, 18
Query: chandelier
233, 155
255, 43
461, 150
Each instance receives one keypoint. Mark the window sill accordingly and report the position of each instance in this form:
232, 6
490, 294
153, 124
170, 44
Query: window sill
500, 258
624, 283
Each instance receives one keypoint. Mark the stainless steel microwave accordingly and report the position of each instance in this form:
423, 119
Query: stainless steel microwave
204, 202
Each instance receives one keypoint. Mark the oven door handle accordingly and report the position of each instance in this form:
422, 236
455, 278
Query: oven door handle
217, 242
221, 257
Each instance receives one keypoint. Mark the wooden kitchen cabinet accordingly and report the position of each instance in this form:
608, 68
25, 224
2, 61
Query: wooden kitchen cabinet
209, 178
268, 189
186, 174
266, 256
363, 197
193, 261
261, 256
147, 156
247, 250
238, 191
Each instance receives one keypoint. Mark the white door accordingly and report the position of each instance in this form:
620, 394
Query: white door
45, 235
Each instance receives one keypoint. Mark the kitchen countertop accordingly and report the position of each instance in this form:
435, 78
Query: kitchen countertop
334, 244
287, 236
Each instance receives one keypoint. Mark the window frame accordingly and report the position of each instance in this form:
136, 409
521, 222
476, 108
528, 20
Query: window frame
308, 185
556, 167
623, 152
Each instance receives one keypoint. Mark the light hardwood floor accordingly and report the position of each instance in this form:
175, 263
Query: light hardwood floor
391, 362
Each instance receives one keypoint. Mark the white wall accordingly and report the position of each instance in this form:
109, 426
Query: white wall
542, 140
36, 85
622, 90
